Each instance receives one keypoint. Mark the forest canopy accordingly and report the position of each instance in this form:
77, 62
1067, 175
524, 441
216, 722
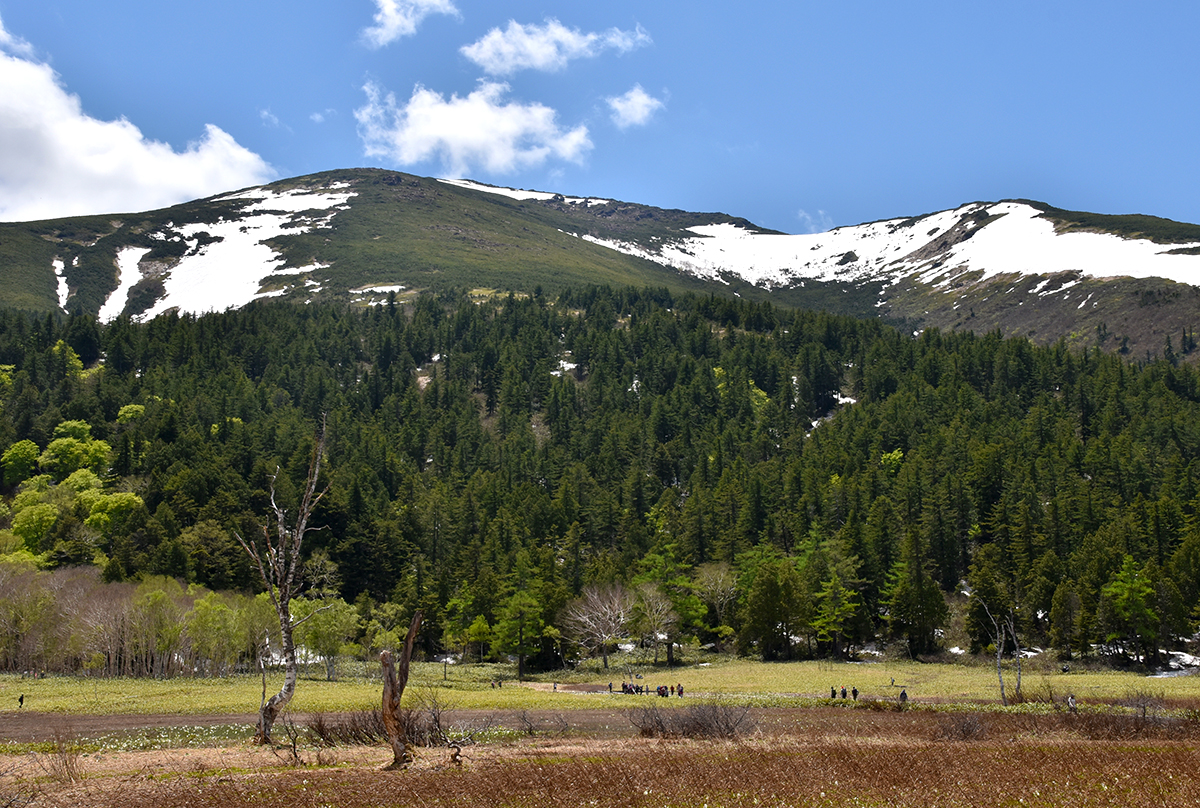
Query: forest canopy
703, 470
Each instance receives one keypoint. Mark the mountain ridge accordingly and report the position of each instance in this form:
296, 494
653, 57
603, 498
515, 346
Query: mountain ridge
358, 235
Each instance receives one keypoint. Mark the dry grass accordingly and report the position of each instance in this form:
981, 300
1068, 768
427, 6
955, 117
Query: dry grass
694, 721
1133, 742
820, 757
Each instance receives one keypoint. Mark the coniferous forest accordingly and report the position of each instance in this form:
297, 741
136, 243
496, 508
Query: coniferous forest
785, 483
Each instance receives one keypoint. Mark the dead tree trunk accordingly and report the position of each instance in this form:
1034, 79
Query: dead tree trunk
394, 680
999, 637
279, 565
1011, 623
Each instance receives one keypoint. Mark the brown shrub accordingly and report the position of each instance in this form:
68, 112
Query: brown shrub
693, 721
362, 728
961, 727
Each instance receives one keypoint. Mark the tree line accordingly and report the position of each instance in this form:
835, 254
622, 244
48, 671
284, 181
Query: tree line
788, 483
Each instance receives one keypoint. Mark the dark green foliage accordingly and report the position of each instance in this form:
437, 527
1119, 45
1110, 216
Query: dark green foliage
487, 460
1130, 225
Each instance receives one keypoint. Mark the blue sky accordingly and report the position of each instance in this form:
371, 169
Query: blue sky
796, 115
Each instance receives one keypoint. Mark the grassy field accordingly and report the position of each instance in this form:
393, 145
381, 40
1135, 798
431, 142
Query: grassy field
469, 687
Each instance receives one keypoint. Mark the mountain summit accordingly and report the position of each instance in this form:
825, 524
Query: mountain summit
361, 235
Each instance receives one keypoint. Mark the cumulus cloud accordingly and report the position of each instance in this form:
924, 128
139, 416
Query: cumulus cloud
57, 161
634, 108
480, 131
400, 18
546, 47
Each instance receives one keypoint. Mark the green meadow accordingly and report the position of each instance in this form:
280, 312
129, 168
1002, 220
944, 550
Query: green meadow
469, 687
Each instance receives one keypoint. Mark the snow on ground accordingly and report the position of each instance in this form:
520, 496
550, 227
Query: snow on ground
294, 200
225, 273
1179, 664
229, 272
64, 291
1014, 240
1025, 243
564, 367
127, 276
1017, 241
371, 295
522, 196
766, 259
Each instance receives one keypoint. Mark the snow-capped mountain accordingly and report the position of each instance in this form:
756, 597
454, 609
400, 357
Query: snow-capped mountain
362, 235
975, 242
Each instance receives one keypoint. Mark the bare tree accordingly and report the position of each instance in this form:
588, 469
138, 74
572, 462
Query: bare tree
656, 616
1010, 622
394, 682
717, 584
1005, 626
279, 566
599, 617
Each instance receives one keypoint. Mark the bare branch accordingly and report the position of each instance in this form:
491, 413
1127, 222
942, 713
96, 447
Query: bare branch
278, 563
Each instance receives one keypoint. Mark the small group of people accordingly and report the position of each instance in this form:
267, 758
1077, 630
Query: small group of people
833, 692
631, 689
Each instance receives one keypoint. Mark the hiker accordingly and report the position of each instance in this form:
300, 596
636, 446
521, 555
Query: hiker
833, 692
679, 689
843, 691
903, 696
854, 693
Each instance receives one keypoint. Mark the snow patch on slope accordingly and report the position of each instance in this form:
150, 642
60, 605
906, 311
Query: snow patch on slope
64, 291
1025, 243
521, 196
127, 275
994, 239
230, 267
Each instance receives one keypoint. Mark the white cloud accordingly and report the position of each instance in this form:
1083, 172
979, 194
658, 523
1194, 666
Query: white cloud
480, 131
14, 44
57, 161
634, 108
546, 47
814, 224
400, 18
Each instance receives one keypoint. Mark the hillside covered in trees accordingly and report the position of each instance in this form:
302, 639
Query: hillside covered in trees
789, 483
